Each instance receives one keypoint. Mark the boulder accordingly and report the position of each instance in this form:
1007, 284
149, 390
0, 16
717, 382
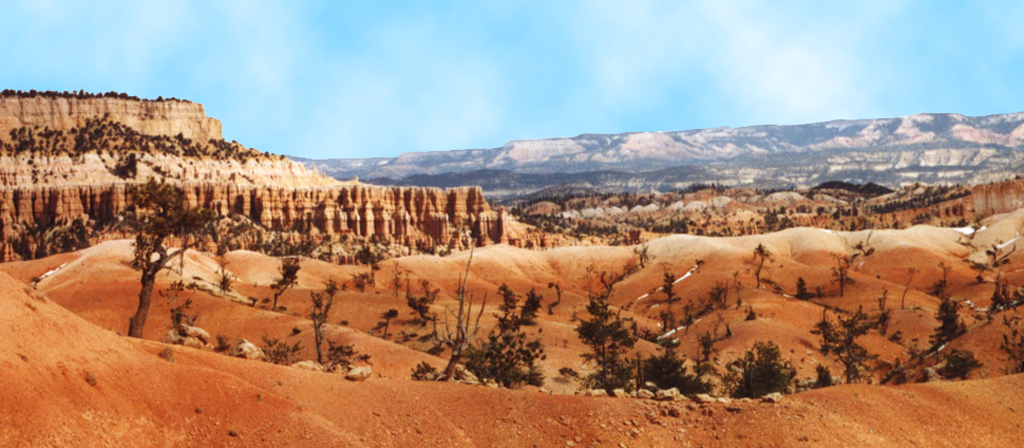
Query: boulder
188, 336
773, 397
247, 350
309, 365
644, 393
596, 393
464, 375
667, 394
703, 398
619, 393
358, 373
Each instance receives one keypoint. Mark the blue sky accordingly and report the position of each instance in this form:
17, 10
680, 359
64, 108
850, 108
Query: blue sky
365, 79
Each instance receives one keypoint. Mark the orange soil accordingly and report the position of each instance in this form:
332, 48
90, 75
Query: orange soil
139, 397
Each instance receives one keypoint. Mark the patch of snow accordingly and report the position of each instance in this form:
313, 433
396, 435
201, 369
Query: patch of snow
1007, 243
51, 272
688, 273
673, 331
965, 230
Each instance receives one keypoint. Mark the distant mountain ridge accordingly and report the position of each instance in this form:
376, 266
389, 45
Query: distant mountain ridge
931, 148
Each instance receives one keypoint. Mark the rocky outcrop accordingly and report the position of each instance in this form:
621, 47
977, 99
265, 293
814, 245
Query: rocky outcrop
148, 117
1002, 197
401, 214
246, 350
188, 336
62, 169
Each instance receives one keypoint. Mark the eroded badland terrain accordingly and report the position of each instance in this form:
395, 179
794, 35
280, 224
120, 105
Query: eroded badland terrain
308, 311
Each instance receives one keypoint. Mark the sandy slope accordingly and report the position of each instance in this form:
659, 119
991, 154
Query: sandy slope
138, 399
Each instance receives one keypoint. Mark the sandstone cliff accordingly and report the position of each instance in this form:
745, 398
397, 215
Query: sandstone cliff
67, 166
167, 118
1001, 197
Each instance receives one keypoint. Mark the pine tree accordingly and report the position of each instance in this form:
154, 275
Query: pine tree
801, 289
608, 339
950, 327
531, 305
289, 277
841, 340
759, 372
507, 357
163, 215
669, 370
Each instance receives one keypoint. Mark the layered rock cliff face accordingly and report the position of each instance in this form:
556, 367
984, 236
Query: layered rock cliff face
1001, 197
56, 192
148, 117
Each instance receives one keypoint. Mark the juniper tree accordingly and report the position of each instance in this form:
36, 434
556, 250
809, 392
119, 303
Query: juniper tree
163, 214
1013, 345
507, 357
706, 348
841, 340
289, 271
322, 302
950, 327
669, 370
759, 372
761, 256
841, 272
608, 339
386, 317
910, 278
667, 284
558, 296
420, 305
959, 364
530, 307
801, 289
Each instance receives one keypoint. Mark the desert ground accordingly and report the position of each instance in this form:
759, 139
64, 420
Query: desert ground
73, 379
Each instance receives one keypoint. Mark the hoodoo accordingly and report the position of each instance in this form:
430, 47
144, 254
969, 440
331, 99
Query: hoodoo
69, 161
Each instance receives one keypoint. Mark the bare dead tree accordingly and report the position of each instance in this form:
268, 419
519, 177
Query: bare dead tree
761, 255
841, 272
903, 300
462, 337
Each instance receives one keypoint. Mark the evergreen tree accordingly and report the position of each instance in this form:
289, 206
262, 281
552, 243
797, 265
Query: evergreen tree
163, 215
759, 372
531, 305
841, 340
507, 357
667, 283
608, 339
950, 327
668, 370
801, 289
289, 277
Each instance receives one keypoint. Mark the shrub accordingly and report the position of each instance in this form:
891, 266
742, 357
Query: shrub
507, 357
668, 371
569, 372
279, 352
759, 372
824, 377
424, 372
608, 339
959, 364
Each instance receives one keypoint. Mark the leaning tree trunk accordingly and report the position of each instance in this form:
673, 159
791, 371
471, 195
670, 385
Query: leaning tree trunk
138, 321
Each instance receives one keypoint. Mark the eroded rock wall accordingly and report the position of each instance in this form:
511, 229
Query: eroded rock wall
1001, 197
405, 215
148, 117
